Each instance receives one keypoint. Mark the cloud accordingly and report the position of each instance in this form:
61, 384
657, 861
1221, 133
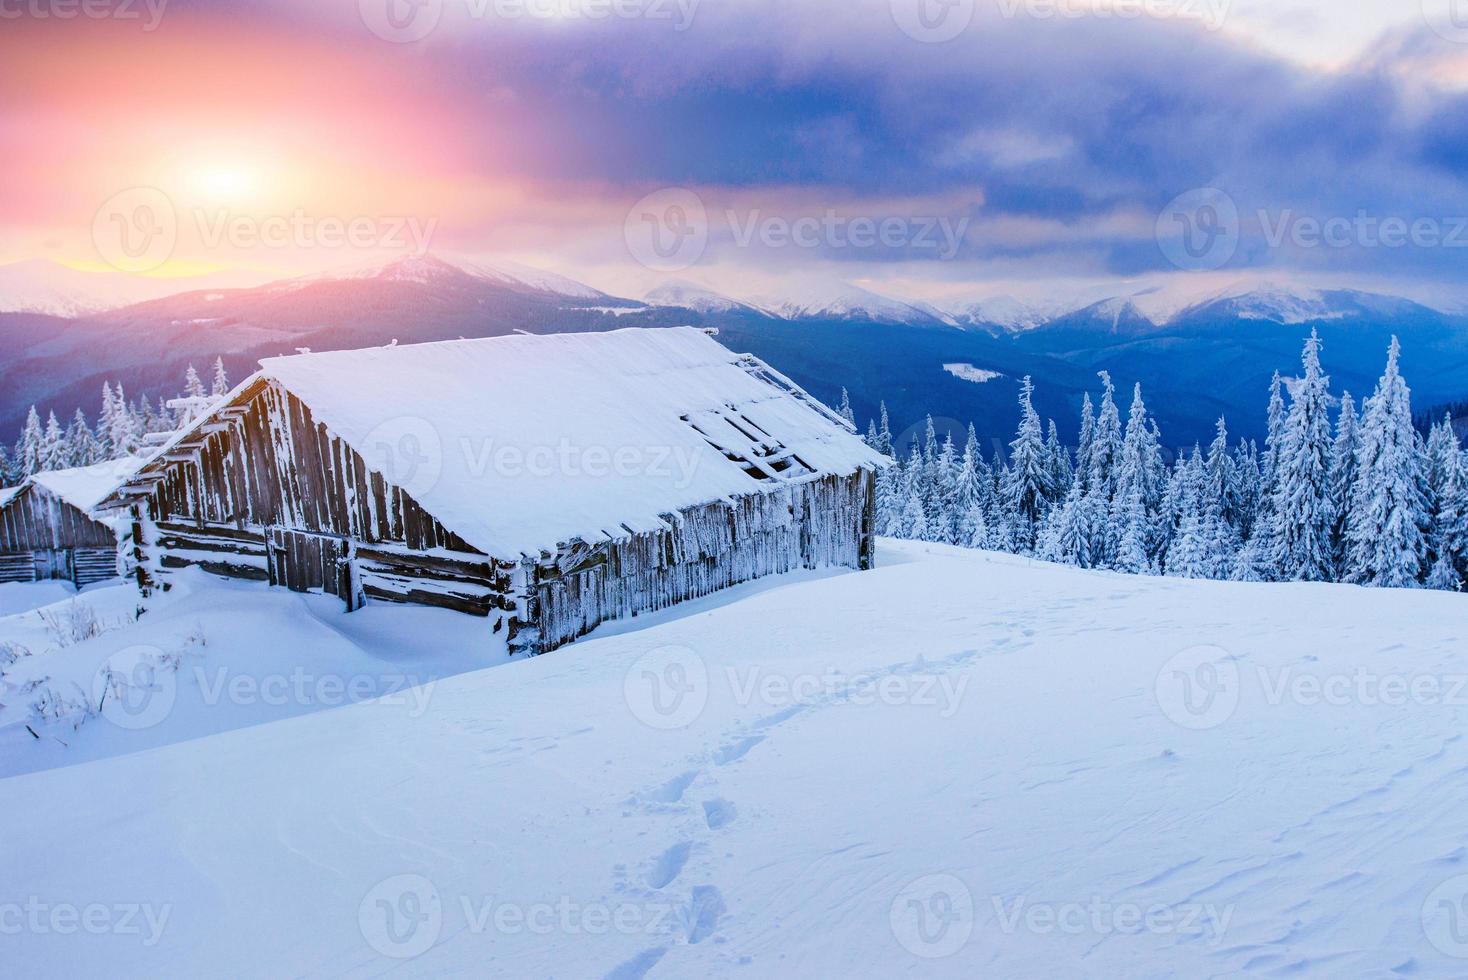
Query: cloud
1060, 138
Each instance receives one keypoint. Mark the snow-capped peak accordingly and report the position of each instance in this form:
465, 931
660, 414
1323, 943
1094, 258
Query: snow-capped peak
435, 270
691, 296
1279, 302
836, 298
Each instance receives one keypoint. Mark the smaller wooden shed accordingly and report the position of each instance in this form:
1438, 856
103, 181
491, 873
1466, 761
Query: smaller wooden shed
48, 528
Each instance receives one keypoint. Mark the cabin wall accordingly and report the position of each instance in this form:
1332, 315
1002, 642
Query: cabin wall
38, 521
268, 493
820, 523
44, 537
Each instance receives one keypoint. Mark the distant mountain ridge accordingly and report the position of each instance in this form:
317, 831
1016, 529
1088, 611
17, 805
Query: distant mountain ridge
1197, 357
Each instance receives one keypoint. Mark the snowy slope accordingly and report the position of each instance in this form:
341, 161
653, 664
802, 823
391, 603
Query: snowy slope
1009, 779
42, 286
242, 652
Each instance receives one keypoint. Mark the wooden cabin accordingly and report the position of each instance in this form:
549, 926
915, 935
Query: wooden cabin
48, 528
548, 483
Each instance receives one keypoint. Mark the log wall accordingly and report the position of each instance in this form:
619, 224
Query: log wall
813, 524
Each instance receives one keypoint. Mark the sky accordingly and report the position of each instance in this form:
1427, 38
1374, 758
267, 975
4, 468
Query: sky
937, 146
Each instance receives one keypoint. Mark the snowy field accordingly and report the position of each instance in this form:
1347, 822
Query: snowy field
960, 764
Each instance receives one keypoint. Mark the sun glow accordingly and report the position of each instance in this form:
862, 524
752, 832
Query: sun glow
227, 184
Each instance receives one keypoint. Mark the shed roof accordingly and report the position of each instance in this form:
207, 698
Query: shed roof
84, 487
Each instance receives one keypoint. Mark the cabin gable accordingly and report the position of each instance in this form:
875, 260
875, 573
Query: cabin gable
44, 537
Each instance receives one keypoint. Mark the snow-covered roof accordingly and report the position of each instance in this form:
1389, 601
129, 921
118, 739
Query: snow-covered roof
85, 487
520, 443
7, 494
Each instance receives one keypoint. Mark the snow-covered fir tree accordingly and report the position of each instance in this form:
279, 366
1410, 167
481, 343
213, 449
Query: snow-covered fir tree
1446, 521
29, 451
219, 387
53, 445
1028, 487
1214, 515
193, 387
81, 444
1299, 537
1388, 512
845, 410
1342, 482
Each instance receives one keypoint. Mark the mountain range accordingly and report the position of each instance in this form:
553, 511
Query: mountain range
1197, 357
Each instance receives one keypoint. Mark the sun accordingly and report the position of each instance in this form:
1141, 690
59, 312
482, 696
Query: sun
226, 183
